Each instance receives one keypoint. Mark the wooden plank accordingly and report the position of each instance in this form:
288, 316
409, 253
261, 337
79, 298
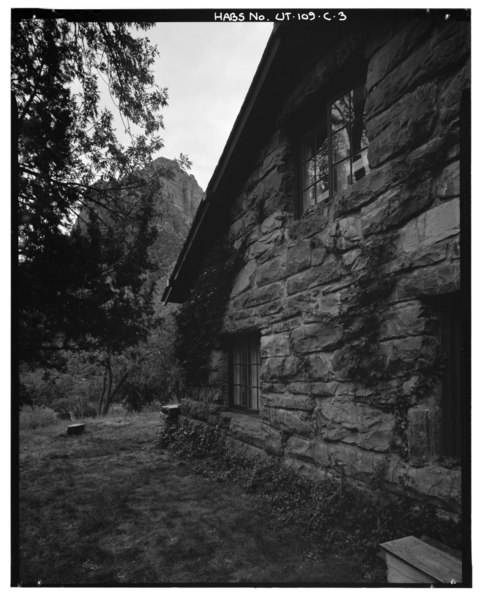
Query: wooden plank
400, 572
441, 546
428, 560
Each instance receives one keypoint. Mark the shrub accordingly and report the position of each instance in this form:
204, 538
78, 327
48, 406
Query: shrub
136, 397
32, 417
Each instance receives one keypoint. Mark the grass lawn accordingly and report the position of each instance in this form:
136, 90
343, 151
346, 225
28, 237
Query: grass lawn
107, 508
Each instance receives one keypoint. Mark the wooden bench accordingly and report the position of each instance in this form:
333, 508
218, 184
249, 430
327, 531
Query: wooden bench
410, 560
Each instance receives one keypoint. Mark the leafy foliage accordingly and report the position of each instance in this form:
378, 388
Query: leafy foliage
66, 141
89, 288
33, 417
199, 319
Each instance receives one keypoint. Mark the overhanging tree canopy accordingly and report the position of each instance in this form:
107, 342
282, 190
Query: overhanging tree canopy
85, 285
66, 139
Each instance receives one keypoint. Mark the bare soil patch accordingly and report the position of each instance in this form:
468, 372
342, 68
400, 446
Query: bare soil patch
107, 508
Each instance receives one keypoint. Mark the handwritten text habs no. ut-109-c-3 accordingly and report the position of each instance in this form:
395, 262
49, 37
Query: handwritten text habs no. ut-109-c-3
280, 16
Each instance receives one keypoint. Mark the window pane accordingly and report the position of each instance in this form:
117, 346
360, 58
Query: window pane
358, 94
320, 142
322, 162
254, 353
253, 398
322, 189
341, 147
359, 136
236, 374
236, 355
308, 198
340, 113
342, 175
237, 395
245, 374
309, 145
308, 174
360, 165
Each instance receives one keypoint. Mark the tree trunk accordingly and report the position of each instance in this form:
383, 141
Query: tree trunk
108, 396
103, 392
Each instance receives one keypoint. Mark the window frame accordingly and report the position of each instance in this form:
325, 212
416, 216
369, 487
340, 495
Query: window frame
323, 123
244, 341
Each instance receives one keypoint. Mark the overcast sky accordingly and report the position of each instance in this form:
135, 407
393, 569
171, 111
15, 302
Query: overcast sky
207, 68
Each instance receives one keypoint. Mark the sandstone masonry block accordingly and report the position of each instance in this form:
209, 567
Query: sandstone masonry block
300, 448
279, 367
271, 271
316, 337
354, 424
434, 56
437, 279
321, 452
277, 344
395, 206
288, 401
450, 98
402, 320
352, 460
292, 421
272, 439
430, 255
317, 367
370, 187
448, 183
269, 293
272, 223
246, 428
407, 123
396, 50
298, 257
432, 481
401, 352
244, 279
348, 232
439, 223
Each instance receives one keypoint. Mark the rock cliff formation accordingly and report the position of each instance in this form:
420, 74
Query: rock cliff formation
176, 201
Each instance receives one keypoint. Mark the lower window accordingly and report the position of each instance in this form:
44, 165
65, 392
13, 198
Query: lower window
244, 374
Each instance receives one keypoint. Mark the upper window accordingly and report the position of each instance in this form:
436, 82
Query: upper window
244, 374
333, 153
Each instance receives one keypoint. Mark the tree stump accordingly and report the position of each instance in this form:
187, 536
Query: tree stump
76, 429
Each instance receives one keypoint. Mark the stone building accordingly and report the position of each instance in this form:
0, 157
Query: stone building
337, 340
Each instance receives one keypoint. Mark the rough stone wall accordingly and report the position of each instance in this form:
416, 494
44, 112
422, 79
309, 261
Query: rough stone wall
349, 381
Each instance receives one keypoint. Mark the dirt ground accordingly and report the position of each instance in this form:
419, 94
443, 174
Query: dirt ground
107, 508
